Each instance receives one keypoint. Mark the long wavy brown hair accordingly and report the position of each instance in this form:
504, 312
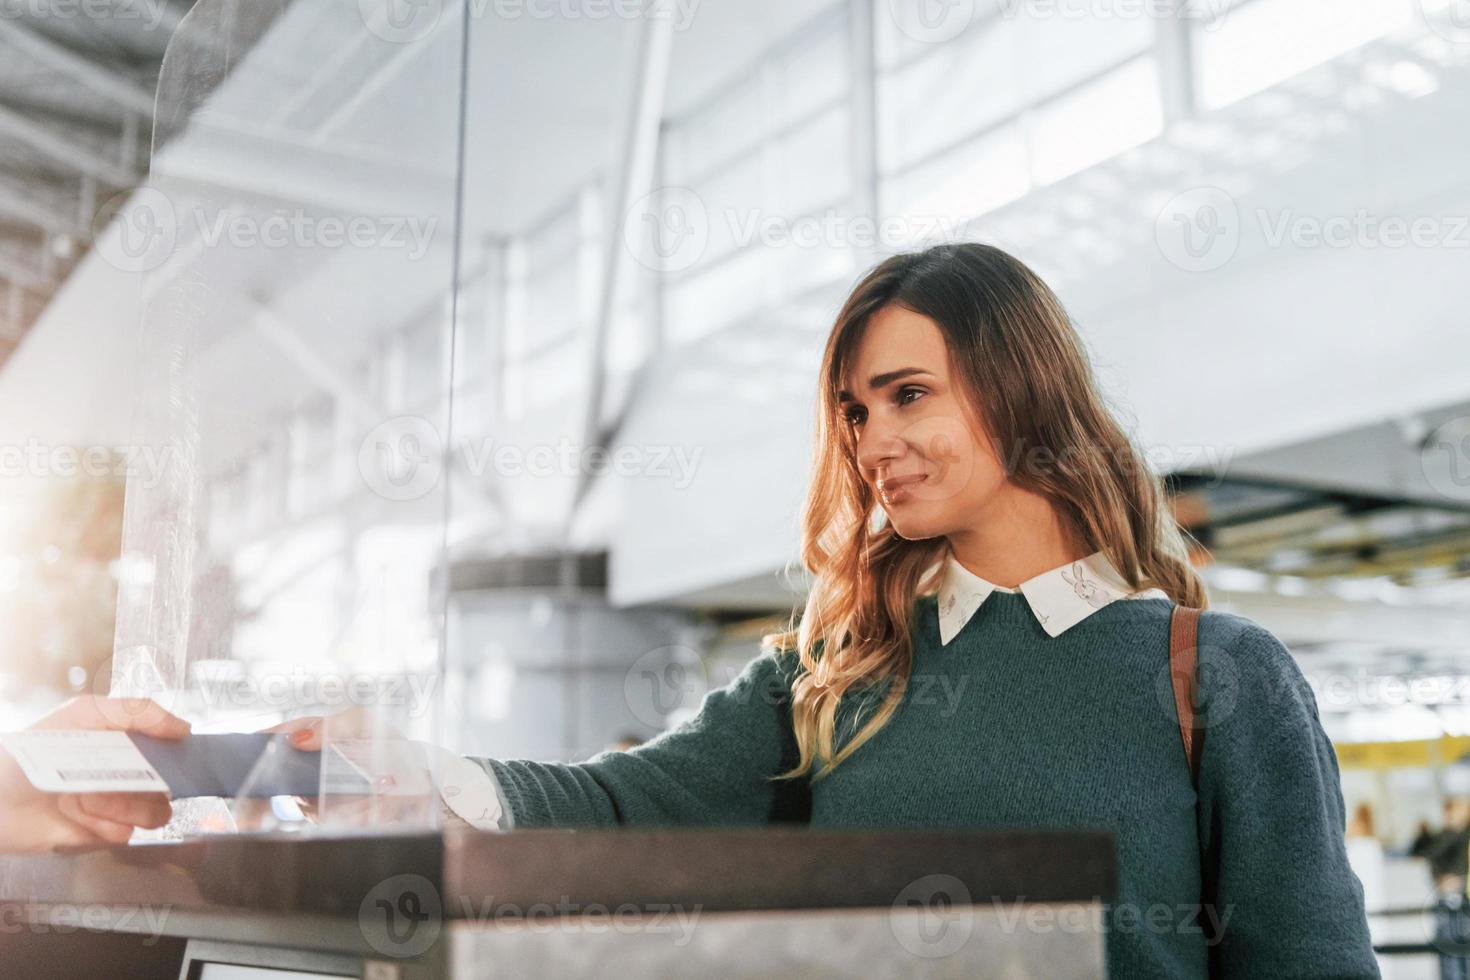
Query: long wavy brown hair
1009, 337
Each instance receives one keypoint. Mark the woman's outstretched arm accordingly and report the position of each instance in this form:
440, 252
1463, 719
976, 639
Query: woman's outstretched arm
713, 769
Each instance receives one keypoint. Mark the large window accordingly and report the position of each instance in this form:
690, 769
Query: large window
1251, 45
1022, 96
762, 168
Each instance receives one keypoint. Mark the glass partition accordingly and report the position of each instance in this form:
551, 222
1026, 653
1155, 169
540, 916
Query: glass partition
297, 244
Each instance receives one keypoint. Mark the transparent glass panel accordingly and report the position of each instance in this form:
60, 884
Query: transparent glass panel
558, 166
297, 244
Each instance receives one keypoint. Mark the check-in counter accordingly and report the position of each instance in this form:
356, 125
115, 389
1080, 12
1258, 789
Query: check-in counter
776, 902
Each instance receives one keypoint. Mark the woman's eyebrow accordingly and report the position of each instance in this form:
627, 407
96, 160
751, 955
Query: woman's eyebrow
880, 380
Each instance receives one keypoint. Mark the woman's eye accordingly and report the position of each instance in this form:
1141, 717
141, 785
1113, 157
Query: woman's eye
903, 392
852, 416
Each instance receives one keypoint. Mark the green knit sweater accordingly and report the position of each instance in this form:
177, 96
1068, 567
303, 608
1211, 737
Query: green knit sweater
1008, 727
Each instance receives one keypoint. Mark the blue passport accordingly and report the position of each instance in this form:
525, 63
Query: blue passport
232, 765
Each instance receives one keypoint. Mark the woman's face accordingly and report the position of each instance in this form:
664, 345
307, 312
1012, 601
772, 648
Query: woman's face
919, 444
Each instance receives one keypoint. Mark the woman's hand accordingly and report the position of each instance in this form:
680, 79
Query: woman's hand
398, 788
306, 734
31, 820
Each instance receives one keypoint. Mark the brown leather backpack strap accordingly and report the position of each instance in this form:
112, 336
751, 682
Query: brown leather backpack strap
1184, 673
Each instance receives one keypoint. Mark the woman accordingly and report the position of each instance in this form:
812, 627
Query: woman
975, 522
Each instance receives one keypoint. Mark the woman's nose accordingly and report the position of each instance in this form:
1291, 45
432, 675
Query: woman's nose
877, 447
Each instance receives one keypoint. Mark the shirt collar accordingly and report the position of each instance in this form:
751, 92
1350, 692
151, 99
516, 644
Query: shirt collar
1060, 598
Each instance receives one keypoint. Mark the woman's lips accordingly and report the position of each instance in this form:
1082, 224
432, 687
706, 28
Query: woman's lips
897, 491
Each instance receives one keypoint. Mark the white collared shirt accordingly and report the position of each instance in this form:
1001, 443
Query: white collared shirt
1060, 598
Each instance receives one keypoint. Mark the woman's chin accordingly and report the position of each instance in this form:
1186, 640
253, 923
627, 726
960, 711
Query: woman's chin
912, 528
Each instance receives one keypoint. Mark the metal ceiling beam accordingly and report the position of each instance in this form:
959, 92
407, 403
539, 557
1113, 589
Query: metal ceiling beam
109, 83
33, 210
75, 156
22, 273
632, 179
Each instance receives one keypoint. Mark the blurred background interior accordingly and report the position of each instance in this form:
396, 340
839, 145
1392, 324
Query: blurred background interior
476, 344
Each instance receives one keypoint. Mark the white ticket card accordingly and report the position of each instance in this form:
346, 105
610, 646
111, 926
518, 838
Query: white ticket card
83, 762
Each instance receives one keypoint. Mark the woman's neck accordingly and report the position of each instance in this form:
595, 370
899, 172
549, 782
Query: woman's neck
1020, 536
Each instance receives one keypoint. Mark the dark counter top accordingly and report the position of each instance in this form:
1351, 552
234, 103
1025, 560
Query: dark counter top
716, 869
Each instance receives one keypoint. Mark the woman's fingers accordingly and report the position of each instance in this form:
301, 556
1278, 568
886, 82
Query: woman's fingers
303, 733
109, 831
307, 733
149, 718
140, 715
149, 810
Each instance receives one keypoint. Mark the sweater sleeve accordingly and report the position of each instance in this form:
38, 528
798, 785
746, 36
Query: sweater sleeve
1272, 818
714, 769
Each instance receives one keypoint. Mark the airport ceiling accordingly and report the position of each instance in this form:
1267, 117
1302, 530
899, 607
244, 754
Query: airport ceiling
77, 85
